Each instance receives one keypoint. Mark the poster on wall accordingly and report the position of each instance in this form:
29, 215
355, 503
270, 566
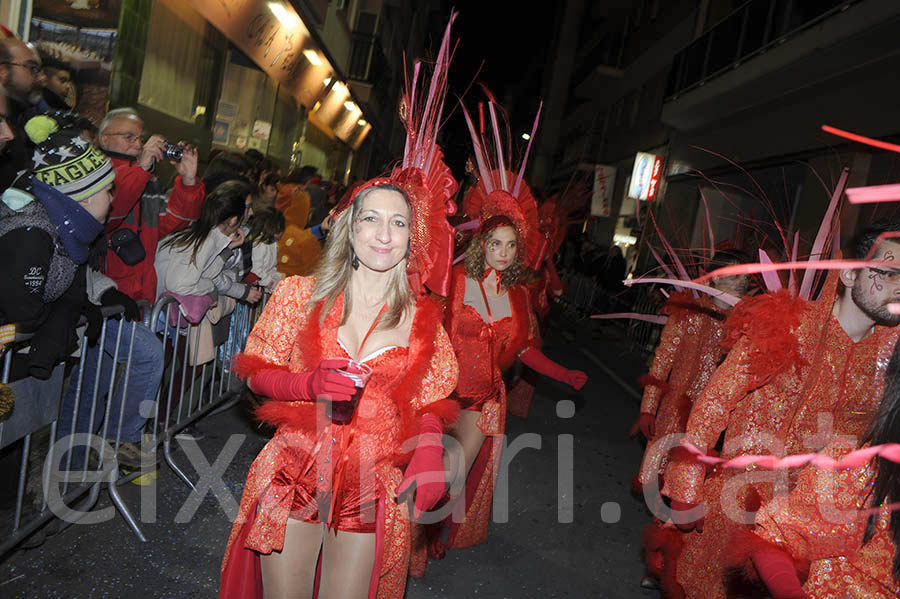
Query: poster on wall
76, 39
601, 198
220, 132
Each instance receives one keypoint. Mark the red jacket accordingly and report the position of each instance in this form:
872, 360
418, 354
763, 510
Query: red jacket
161, 214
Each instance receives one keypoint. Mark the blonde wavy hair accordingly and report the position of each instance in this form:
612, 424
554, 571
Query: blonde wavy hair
476, 264
334, 270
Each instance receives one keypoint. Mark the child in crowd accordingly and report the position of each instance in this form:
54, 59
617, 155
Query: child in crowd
266, 230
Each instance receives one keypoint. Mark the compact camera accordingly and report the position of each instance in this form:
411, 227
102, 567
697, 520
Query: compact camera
172, 152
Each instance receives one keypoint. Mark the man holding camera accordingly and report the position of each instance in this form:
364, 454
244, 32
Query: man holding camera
143, 211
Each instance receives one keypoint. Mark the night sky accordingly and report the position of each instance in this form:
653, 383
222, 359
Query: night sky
509, 42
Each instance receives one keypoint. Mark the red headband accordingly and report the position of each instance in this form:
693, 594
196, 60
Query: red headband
498, 220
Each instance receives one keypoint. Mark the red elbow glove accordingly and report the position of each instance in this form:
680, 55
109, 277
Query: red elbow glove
777, 571
426, 468
322, 383
541, 363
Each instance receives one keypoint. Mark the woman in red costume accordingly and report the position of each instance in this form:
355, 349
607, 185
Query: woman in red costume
491, 324
321, 513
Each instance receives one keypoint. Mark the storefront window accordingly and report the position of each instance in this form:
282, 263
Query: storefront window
246, 107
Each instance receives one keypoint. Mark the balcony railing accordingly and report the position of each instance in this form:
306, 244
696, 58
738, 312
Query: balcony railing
747, 32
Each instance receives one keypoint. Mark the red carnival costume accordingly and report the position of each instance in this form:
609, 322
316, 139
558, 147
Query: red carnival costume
406, 384
485, 347
817, 523
358, 466
688, 353
792, 362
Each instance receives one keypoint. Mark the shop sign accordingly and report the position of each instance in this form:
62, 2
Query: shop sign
274, 36
645, 177
601, 199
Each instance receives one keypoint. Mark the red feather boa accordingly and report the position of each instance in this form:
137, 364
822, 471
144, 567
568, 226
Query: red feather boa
301, 415
769, 322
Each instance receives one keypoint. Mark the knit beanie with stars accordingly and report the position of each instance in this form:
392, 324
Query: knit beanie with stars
65, 160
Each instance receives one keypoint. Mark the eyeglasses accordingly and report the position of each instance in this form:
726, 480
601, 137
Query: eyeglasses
31, 66
129, 137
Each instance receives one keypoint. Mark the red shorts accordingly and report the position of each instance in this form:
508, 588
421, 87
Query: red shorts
355, 512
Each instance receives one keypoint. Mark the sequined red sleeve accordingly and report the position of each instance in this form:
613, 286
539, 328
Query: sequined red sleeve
440, 378
709, 417
663, 358
275, 333
819, 518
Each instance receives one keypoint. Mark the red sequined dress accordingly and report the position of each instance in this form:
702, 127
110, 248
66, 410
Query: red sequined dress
345, 464
484, 351
792, 374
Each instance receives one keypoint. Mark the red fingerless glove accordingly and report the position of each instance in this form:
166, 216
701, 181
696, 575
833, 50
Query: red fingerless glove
538, 361
322, 383
777, 571
647, 424
426, 468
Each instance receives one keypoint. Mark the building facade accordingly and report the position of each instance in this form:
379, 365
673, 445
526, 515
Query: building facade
732, 96
294, 80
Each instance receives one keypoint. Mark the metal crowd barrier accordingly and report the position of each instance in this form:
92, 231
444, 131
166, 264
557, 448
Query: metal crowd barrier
31, 430
585, 296
185, 397
59, 478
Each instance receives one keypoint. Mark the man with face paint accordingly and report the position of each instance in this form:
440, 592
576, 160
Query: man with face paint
800, 374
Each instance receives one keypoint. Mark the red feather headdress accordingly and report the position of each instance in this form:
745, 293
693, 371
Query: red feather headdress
424, 177
500, 191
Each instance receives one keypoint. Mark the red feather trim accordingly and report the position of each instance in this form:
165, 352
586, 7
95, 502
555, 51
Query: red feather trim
296, 415
667, 543
769, 322
445, 409
300, 415
246, 365
648, 380
421, 349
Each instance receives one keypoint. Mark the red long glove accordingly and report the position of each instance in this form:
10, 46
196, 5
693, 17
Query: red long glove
426, 468
678, 506
538, 361
322, 383
777, 571
647, 424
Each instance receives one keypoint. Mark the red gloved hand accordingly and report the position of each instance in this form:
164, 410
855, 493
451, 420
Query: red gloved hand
696, 523
777, 571
576, 379
426, 468
538, 361
323, 383
647, 424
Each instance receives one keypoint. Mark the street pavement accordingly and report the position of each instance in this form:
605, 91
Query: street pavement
542, 551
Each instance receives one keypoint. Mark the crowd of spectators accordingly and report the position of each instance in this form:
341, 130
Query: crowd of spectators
88, 221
